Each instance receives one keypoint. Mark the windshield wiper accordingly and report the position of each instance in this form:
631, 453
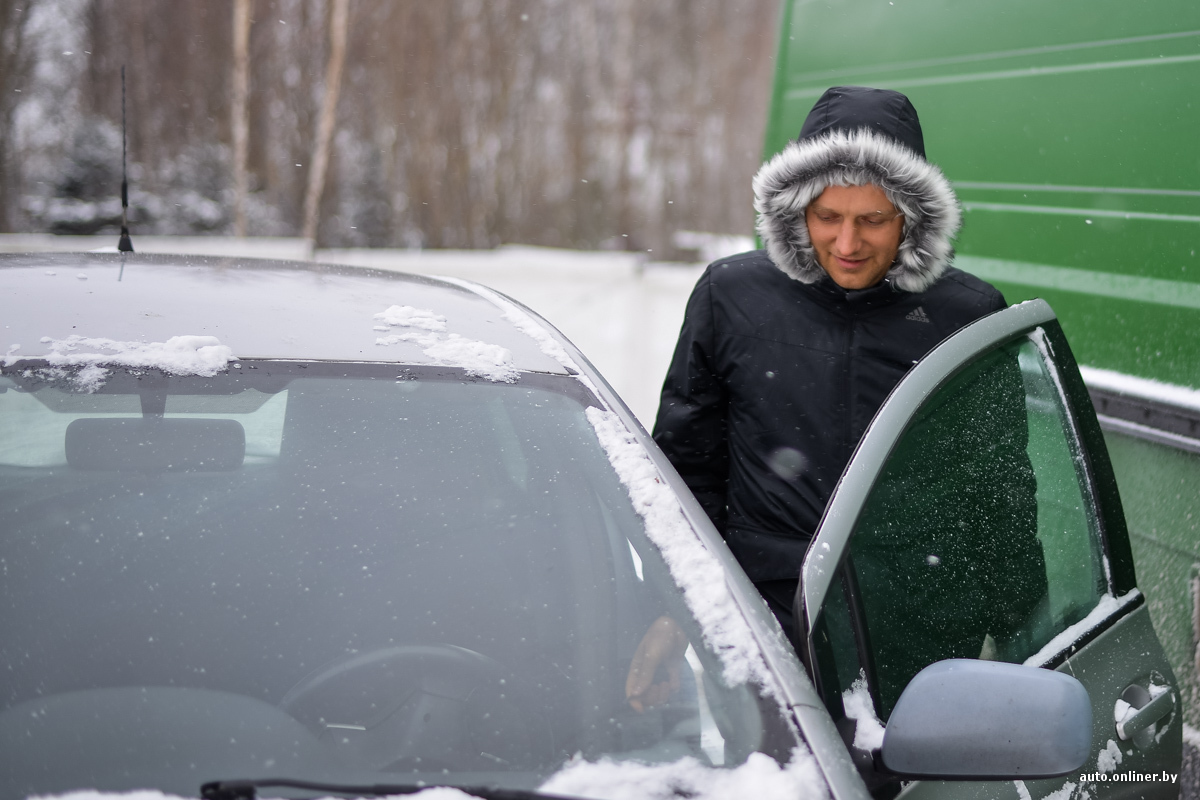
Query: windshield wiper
247, 789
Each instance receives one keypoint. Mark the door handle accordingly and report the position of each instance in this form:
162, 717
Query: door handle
1138, 709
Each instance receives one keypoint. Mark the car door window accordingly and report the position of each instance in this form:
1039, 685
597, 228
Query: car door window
979, 538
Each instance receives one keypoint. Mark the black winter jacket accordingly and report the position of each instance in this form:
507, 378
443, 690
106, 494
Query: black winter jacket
774, 381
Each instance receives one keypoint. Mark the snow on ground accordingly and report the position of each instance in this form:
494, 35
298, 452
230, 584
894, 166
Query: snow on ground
1191, 736
1141, 387
250, 247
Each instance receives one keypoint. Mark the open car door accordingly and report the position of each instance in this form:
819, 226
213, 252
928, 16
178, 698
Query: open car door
980, 519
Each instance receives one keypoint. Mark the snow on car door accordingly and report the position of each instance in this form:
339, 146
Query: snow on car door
979, 518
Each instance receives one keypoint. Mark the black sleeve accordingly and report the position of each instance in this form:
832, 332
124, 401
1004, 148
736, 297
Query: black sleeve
691, 427
946, 549
998, 302
1008, 511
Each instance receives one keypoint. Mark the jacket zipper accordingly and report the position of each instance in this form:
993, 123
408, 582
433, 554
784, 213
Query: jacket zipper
851, 343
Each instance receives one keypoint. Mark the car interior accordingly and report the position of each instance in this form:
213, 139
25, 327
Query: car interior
397, 575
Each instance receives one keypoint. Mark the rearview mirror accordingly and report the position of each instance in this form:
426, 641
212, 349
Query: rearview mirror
155, 444
979, 720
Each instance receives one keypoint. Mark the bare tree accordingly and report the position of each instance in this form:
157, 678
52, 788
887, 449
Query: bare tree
460, 123
15, 66
241, 123
333, 86
624, 69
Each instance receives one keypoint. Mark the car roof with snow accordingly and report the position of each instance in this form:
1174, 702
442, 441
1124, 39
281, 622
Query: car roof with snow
58, 304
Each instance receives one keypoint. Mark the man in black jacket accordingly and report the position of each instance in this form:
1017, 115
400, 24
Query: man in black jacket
786, 354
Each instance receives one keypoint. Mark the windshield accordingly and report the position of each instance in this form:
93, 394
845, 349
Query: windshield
353, 573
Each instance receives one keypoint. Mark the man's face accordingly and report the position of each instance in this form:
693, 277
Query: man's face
855, 231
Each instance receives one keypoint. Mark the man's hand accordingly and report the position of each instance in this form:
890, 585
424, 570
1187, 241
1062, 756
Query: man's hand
662, 646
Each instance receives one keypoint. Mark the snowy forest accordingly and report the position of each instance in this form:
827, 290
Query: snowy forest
597, 124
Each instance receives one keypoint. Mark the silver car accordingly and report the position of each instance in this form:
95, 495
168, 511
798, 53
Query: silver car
293, 530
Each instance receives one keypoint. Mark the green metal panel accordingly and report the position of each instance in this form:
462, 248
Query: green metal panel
1113, 324
1070, 131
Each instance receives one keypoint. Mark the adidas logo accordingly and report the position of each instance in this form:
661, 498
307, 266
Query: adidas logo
918, 315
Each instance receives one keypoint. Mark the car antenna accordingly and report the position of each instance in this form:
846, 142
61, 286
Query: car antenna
124, 244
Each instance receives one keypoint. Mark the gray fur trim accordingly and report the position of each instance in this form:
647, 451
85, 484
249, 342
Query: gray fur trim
786, 184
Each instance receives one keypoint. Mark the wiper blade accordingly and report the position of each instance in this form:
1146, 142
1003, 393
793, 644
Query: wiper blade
247, 789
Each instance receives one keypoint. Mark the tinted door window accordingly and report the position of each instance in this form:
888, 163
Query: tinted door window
979, 539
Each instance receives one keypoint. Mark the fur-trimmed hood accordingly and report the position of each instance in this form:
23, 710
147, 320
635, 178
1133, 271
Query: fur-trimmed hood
851, 152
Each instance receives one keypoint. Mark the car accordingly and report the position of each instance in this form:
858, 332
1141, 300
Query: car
299, 530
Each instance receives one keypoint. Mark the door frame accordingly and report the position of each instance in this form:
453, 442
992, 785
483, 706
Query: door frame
825, 557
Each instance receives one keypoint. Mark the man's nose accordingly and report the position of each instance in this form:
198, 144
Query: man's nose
847, 238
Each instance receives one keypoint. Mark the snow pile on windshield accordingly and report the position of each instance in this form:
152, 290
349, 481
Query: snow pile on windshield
528, 326
694, 569
1105, 608
490, 361
761, 778
409, 317
179, 355
868, 730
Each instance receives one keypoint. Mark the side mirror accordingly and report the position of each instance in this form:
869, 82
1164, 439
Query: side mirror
979, 720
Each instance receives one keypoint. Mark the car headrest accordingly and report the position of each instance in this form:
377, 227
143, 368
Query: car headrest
153, 444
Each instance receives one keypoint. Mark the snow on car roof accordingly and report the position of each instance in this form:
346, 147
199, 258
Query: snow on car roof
114, 305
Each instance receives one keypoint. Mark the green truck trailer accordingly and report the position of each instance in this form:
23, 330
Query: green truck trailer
1071, 131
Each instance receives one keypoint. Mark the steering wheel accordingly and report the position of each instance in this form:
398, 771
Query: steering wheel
423, 708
